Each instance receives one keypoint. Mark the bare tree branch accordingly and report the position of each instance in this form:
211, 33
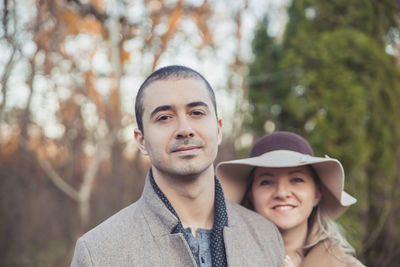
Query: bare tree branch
11, 60
4, 81
89, 9
89, 178
5, 16
51, 173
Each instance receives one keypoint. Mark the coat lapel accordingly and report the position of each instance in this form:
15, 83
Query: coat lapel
236, 251
161, 222
246, 243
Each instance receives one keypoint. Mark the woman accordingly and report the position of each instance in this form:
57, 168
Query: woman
302, 194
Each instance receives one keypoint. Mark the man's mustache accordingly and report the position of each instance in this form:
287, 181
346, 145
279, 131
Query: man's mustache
185, 143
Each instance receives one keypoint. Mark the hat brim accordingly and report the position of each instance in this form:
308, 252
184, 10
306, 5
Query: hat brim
235, 177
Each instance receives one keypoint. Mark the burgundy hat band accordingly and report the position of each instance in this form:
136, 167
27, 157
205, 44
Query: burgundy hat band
281, 141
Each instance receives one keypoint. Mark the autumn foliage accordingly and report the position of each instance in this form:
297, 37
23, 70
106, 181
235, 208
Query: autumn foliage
67, 156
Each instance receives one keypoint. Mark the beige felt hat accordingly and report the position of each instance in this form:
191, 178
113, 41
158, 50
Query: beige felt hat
285, 149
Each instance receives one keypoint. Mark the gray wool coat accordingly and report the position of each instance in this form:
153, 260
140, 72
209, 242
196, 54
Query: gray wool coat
140, 235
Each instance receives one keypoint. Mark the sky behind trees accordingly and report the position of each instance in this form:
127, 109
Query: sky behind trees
70, 69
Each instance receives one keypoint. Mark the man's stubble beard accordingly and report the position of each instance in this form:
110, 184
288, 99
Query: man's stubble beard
183, 173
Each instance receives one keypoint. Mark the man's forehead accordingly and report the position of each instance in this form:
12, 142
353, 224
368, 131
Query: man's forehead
167, 83
175, 92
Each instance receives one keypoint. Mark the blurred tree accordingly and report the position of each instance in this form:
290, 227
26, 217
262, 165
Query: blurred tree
63, 143
332, 81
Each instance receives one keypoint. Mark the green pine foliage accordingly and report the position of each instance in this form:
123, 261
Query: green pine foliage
332, 81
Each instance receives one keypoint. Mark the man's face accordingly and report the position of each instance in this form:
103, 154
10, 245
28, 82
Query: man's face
181, 131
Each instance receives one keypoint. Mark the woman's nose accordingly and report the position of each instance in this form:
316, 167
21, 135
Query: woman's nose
282, 190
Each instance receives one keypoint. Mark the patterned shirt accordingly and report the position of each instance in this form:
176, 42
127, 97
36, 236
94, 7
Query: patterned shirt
200, 246
217, 246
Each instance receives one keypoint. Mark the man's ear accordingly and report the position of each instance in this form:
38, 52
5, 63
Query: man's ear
219, 122
140, 141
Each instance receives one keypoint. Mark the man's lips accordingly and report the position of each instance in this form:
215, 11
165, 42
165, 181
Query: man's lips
186, 148
186, 145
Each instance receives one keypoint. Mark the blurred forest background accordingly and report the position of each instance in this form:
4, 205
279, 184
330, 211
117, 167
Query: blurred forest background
69, 71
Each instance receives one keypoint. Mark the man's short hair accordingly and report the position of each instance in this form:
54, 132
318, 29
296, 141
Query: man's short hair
166, 73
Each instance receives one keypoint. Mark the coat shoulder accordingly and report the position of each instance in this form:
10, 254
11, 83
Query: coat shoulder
250, 217
118, 224
102, 245
247, 229
254, 223
327, 255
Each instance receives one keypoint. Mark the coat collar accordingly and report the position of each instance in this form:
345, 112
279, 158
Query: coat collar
160, 220
155, 211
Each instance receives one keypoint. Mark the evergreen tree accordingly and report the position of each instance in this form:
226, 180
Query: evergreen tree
335, 84
263, 75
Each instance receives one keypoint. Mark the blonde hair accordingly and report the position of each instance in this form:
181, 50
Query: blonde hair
322, 228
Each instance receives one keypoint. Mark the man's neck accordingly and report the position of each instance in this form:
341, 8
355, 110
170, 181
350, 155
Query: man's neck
193, 198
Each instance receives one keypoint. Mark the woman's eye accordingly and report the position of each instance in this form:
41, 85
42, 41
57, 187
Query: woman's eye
298, 180
265, 182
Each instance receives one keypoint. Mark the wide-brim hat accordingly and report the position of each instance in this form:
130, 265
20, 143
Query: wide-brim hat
285, 149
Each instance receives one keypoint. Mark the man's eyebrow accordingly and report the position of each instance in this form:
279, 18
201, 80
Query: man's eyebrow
196, 104
160, 108
169, 107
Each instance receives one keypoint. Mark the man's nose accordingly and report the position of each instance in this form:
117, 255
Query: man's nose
184, 129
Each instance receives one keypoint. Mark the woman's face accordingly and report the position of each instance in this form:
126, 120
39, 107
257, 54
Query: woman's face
285, 196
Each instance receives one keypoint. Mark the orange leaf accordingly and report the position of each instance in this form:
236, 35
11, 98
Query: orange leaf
76, 24
93, 94
125, 56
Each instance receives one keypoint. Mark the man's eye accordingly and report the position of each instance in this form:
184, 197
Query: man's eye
163, 118
197, 113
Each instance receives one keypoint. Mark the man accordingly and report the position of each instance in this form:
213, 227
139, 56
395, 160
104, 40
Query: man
182, 218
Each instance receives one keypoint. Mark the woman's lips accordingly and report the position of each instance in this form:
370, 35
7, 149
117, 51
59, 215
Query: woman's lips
283, 207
